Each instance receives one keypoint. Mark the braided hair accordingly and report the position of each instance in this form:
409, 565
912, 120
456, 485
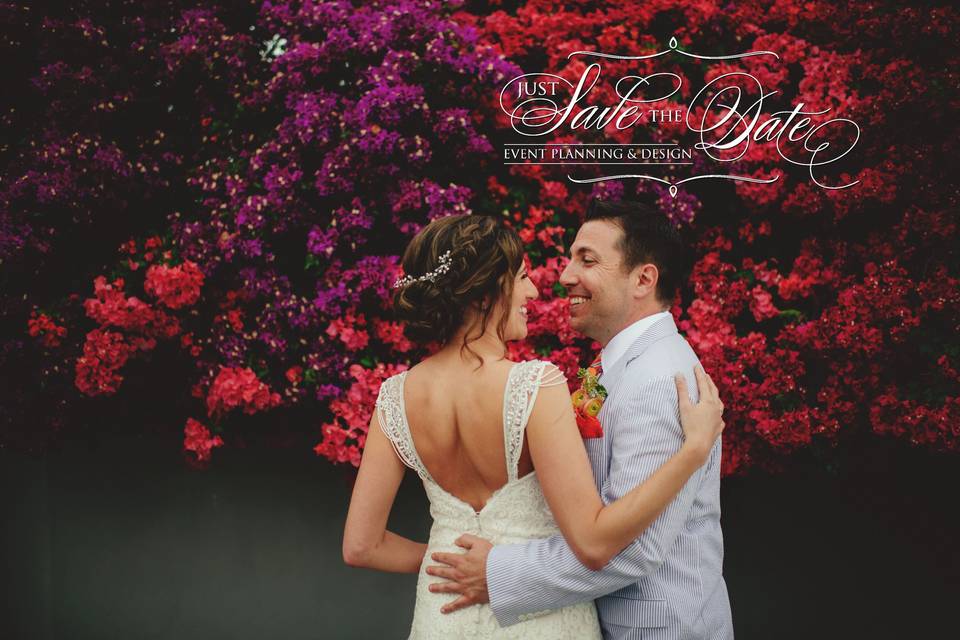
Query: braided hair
484, 256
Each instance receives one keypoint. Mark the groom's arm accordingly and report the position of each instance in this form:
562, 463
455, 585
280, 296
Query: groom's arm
545, 574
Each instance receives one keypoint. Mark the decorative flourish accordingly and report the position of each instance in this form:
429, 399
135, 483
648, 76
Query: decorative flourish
672, 186
673, 44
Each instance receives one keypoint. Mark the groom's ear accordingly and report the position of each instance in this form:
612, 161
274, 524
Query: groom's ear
644, 279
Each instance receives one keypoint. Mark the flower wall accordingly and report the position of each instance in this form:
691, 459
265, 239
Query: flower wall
206, 202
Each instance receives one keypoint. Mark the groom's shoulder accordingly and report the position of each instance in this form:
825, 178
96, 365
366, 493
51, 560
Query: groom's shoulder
662, 359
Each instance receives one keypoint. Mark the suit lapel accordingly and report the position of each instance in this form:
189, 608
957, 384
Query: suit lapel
598, 448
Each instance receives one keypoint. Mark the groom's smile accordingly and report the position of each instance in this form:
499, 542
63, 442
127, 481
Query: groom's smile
578, 307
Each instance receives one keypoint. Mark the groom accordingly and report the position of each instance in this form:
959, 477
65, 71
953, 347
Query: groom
626, 265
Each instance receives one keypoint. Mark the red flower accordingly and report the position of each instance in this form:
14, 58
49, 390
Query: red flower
111, 307
104, 353
239, 387
589, 426
391, 333
176, 287
234, 318
196, 438
43, 325
294, 374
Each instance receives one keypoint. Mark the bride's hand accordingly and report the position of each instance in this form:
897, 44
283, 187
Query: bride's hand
702, 422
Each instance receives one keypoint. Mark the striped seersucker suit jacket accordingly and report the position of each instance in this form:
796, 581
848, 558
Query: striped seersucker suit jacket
668, 583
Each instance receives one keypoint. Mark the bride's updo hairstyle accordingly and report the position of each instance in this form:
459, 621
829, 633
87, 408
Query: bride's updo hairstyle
483, 260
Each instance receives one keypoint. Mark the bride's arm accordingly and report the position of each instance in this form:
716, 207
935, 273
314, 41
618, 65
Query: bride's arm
366, 541
596, 533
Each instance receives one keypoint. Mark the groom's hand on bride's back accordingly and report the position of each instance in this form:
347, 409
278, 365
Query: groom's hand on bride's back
466, 573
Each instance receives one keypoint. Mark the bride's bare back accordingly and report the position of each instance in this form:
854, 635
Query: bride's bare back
455, 414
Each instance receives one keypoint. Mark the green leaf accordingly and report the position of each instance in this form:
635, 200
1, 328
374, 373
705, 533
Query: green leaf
745, 275
787, 401
791, 315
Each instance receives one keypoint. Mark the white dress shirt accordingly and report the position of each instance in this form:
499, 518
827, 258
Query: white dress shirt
619, 344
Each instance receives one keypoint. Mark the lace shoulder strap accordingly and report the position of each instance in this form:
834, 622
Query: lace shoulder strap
391, 414
552, 376
523, 382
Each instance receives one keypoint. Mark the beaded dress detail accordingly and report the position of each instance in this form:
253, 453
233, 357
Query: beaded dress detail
514, 513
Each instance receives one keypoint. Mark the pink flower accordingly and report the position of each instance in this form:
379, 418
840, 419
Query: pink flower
343, 439
345, 329
761, 304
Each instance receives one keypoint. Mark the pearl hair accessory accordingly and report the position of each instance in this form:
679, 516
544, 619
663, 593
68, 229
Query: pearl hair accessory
444, 266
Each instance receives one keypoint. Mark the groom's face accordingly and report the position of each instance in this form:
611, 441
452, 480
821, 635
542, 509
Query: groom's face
597, 285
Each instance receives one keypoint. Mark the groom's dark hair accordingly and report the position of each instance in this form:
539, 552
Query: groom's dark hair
648, 236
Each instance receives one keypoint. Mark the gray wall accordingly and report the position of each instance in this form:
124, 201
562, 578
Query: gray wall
119, 539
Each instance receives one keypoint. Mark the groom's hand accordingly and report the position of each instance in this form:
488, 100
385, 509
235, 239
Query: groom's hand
467, 573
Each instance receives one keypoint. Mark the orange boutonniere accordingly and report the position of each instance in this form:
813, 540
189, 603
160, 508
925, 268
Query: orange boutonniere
587, 401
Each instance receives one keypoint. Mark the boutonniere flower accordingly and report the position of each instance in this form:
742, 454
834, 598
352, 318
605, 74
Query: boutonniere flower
587, 401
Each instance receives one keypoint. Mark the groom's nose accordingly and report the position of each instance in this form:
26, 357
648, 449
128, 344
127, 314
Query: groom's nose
567, 278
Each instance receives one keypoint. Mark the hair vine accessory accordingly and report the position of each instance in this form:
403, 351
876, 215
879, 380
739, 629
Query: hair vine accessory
444, 266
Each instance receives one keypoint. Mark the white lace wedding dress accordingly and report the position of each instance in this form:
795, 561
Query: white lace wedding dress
515, 512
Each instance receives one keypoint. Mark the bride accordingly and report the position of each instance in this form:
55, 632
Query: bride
475, 427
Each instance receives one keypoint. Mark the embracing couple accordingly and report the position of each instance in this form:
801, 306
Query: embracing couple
542, 529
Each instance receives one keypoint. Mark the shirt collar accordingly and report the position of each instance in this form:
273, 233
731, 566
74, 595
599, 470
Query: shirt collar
619, 344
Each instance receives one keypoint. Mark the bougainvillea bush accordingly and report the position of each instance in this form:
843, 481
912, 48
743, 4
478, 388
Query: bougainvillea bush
203, 206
